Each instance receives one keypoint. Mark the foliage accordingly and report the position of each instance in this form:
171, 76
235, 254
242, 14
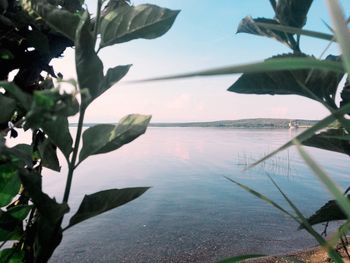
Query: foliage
320, 85
32, 33
304, 75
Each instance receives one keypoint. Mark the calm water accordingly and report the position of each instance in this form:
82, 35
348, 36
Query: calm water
192, 213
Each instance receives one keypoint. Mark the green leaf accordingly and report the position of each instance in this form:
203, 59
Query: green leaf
10, 218
299, 218
8, 107
293, 12
58, 19
345, 137
48, 105
240, 258
48, 155
63, 104
23, 152
8, 23
345, 94
251, 26
11, 255
328, 212
320, 85
24, 99
9, 183
331, 251
88, 65
112, 5
49, 215
58, 132
48, 237
104, 138
38, 40
72, 5
14, 234
6, 54
19, 212
342, 32
132, 22
47, 83
277, 64
331, 140
11, 222
100, 202
3, 6
47, 207
342, 200
113, 76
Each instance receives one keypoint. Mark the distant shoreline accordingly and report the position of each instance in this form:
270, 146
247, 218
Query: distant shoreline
259, 123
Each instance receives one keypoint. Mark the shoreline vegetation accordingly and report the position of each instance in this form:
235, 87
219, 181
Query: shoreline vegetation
259, 123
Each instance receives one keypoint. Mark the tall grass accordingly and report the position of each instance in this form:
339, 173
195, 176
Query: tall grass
288, 68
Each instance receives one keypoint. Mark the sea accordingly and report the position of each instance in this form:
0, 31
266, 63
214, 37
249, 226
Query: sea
192, 211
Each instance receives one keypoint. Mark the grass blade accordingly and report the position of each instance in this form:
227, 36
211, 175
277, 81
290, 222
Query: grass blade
342, 230
295, 30
276, 64
300, 219
301, 137
327, 25
263, 197
307, 133
342, 200
342, 32
331, 252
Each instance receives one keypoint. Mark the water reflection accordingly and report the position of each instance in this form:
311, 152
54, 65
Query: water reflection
192, 213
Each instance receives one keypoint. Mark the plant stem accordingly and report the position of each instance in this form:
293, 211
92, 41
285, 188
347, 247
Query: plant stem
293, 44
71, 165
97, 22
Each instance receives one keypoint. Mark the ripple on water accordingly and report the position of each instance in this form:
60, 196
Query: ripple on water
192, 213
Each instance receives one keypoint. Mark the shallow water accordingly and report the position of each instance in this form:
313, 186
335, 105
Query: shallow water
192, 213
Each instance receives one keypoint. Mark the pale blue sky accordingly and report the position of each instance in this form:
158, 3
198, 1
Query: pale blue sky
202, 37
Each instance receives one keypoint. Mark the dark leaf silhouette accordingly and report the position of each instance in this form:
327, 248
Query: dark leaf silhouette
100, 202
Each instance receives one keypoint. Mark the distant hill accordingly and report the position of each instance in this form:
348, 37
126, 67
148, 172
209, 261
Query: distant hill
244, 123
261, 123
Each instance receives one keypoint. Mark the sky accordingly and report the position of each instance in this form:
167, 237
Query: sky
202, 37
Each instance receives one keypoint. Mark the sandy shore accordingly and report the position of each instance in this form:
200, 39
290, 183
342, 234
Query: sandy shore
310, 255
